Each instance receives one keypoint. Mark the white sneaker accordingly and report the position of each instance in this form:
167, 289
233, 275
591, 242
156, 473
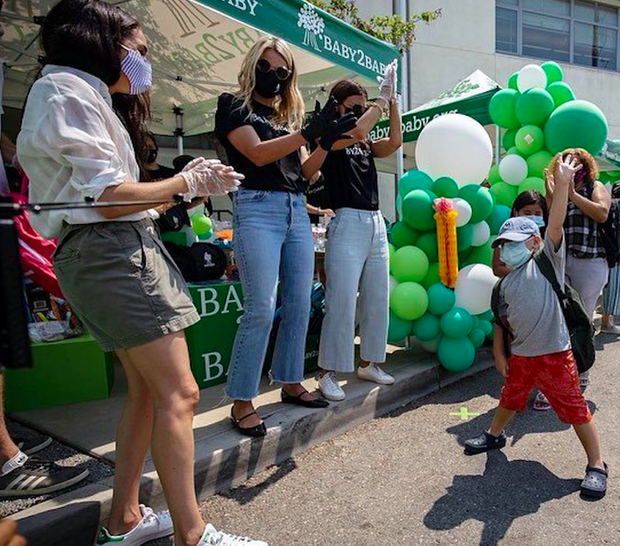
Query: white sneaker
211, 537
373, 373
330, 389
153, 525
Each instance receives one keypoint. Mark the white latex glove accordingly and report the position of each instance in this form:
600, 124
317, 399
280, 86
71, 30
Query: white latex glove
388, 83
206, 177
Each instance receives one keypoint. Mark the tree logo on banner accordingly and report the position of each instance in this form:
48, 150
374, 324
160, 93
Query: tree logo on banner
311, 22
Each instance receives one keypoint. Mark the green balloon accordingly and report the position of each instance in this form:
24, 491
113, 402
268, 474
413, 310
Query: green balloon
475, 321
504, 194
440, 299
533, 183
456, 355
205, 236
514, 151
414, 180
486, 327
481, 254
498, 216
576, 124
432, 277
553, 71
561, 93
201, 224
418, 210
391, 250
409, 301
480, 199
398, 329
530, 139
512, 82
403, 234
476, 336
464, 237
487, 315
537, 163
463, 256
426, 328
456, 323
493, 177
409, 264
428, 244
508, 140
446, 187
502, 108
431, 346
534, 107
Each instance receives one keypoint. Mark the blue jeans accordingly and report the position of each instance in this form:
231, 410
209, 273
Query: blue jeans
356, 261
272, 241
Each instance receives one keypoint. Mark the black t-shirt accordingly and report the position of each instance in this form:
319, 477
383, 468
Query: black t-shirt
281, 175
351, 178
162, 173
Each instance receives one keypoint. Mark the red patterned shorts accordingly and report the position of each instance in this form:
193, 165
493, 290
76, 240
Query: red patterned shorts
555, 375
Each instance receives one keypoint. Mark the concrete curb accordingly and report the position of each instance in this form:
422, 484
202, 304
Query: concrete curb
73, 518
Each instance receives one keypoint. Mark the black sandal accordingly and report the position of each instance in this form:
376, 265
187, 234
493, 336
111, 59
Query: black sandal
257, 431
298, 401
594, 485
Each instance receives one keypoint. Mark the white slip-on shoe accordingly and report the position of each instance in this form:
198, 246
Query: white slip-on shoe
211, 537
152, 526
373, 373
330, 389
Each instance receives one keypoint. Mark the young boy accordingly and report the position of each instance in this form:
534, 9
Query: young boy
540, 350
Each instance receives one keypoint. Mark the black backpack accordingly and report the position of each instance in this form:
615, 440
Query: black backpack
199, 262
578, 321
609, 232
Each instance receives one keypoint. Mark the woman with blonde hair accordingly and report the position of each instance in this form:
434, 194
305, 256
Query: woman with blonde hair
589, 202
261, 128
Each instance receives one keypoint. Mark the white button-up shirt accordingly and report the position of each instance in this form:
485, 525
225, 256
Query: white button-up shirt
72, 145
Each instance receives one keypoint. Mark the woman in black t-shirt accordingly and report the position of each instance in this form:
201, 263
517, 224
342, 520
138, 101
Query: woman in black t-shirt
356, 258
261, 129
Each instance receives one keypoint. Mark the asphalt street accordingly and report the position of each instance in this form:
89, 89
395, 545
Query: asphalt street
403, 480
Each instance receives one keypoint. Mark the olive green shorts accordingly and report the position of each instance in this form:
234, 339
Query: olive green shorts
121, 282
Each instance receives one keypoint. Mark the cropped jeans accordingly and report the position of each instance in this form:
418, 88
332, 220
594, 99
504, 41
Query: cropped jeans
356, 261
272, 241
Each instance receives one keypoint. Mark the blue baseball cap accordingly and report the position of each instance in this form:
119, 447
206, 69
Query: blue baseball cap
516, 230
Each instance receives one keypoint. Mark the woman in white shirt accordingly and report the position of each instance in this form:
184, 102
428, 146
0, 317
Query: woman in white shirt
110, 263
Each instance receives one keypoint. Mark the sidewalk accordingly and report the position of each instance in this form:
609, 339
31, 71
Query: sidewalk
224, 459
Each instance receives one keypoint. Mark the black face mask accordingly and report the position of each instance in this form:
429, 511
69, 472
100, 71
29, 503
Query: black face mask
357, 110
267, 84
151, 156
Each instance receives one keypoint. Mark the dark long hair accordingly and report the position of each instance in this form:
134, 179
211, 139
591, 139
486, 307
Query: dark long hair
85, 34
530, 197
344, 89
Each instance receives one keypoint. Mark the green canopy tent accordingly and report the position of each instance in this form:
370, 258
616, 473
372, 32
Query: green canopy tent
197, 48
470, 97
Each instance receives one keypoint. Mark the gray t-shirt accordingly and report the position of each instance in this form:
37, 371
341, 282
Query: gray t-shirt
532, 309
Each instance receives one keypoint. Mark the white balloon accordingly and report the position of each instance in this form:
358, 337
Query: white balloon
531, 76
513, 169
393, 283
463, 209
474, 288
457, 146
482, 232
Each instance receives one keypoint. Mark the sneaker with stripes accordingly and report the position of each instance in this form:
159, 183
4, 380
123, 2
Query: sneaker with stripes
24, 477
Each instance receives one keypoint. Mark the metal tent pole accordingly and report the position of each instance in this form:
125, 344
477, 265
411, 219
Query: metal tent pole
178, 132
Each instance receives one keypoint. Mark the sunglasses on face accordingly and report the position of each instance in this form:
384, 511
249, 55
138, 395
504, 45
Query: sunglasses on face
282, 72
358, 110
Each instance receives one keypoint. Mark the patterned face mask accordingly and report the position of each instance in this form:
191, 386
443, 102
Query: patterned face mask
138, 71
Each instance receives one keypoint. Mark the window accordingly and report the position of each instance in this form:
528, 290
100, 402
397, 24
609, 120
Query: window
582, 32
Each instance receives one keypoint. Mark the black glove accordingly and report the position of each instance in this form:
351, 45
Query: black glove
320, 121
337, 130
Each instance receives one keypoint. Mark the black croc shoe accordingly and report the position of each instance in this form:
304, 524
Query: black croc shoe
257, 431
484, 442
594, 485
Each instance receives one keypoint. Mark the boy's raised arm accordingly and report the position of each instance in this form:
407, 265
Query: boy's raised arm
561, 180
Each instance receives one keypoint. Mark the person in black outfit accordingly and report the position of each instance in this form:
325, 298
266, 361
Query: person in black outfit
356, 257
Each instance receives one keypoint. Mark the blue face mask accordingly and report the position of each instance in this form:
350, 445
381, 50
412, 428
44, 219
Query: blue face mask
538, 220
514, 255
